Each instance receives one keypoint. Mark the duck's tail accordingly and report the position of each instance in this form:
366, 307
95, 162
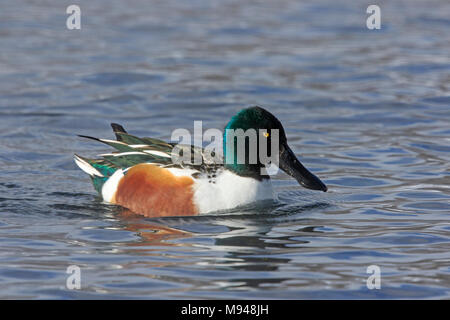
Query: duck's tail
99, 170
130, 151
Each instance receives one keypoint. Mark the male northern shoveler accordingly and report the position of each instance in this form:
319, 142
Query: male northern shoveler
142, 177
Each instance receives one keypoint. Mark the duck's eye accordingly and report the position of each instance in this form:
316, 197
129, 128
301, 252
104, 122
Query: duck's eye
266, 134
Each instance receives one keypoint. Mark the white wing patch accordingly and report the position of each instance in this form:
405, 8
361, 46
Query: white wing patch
135, 146
121, 154
158, 153
113, 141
86, 167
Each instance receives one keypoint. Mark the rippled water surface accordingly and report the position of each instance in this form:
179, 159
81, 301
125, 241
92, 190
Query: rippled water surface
367, 111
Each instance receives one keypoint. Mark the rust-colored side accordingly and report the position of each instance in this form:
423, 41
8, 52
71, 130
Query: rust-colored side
155, 192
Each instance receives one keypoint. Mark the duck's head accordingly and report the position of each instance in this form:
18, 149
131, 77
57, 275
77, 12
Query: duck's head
263, 122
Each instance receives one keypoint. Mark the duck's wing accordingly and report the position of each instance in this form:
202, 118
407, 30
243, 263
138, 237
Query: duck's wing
132, 150
203, 161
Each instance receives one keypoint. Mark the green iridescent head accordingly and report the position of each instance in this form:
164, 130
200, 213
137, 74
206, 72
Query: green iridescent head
247, 132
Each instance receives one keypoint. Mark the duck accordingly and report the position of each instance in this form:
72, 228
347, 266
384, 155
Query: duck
142, 176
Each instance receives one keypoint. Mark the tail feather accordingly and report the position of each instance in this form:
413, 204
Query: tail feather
117, 128
130, 151
86, 166
98, 169
118, 145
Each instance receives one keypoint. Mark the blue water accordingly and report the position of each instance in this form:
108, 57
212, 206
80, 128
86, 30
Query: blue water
367, 111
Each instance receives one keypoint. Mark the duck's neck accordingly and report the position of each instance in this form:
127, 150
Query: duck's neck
242, 169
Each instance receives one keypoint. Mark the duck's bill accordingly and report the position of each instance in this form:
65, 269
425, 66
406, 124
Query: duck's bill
290, 164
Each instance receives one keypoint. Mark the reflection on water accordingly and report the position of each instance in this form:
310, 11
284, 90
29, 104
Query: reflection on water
368, 111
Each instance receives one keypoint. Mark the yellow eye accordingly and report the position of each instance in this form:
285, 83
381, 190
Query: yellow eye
266, 134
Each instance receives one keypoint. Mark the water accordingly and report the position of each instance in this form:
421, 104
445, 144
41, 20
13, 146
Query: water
367, 111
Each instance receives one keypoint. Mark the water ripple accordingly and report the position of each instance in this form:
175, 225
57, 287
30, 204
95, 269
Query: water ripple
367, 111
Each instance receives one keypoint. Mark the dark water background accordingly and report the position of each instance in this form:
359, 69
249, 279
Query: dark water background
367, 111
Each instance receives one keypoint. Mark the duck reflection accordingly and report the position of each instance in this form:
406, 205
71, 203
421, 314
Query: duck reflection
151, 234
239, 242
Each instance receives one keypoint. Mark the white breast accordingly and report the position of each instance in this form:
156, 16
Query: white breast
229, 191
